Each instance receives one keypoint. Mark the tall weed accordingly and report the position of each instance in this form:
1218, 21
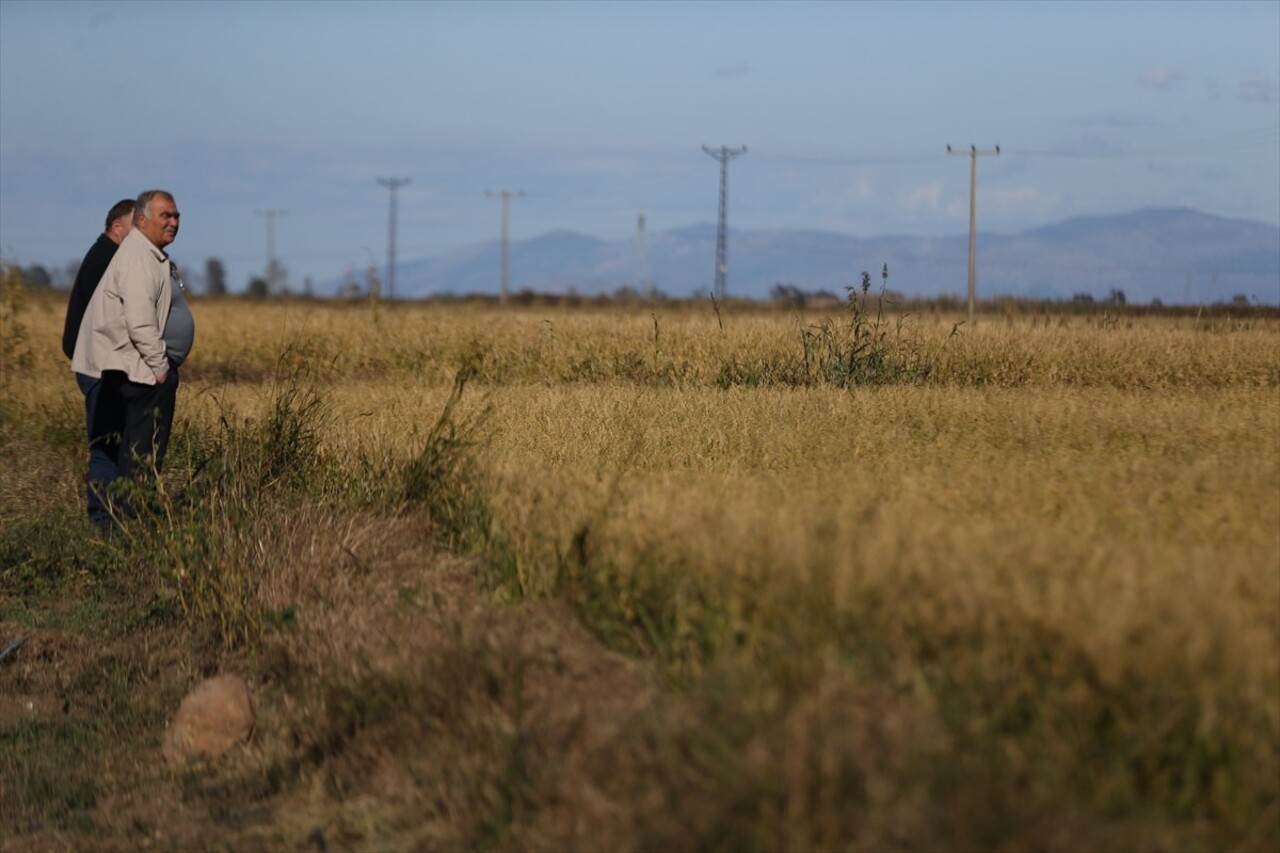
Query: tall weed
865, 347
868, 349
15, 348
206, 524
444, 477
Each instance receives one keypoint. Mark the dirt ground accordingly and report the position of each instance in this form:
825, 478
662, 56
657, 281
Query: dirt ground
397, 706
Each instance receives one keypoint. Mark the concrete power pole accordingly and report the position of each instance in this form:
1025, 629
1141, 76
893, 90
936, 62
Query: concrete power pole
973, 154
506, 197
392, 184
644, 285
273, 269
724, 154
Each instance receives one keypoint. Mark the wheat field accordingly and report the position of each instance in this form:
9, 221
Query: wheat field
1006, 585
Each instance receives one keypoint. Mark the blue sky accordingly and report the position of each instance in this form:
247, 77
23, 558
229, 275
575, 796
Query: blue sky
598, 112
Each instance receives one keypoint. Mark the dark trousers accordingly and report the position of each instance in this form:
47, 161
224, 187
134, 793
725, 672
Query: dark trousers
148, 421
104, 421
129, 425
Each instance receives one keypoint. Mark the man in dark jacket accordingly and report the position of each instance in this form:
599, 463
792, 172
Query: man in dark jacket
119, 224
102, 463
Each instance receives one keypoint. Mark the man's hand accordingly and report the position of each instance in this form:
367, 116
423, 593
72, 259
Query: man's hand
161, 377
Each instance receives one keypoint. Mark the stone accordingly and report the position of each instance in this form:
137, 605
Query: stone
214, 717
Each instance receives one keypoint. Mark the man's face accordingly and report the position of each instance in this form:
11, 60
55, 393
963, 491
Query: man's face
159, 222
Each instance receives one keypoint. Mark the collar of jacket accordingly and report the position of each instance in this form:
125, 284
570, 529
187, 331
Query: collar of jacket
158, 253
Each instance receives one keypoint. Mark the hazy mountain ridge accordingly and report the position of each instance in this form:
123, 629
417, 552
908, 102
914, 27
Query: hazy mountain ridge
1171, 255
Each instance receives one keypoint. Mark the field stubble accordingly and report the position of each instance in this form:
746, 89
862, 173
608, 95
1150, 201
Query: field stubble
1029, 599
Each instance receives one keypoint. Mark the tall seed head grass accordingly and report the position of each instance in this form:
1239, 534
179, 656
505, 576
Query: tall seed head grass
1027, 602
444, 477
229, 485
15, 351
867, 349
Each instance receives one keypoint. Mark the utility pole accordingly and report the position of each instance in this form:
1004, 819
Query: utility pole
392, 184
973, 154
272, 267
644, 286
506, 197
724, 154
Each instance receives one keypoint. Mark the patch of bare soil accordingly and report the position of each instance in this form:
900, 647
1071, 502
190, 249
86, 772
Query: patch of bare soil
397, 705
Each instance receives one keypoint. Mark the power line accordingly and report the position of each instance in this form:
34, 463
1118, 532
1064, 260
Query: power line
864, 160
723, 154
1206, 146
392, 184
1237, 141
973, 154
506, 197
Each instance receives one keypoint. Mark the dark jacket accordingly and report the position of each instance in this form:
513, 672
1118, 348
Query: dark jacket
91, 269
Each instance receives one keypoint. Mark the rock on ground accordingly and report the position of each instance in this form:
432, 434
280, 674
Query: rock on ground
213, 718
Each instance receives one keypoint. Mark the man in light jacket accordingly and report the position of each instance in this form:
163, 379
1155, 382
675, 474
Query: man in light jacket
136, 331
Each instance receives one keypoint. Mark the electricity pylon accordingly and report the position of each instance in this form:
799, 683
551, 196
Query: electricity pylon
392, 184
273, 268
724, 154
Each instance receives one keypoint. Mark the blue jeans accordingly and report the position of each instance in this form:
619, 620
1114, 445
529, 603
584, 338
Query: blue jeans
104, 420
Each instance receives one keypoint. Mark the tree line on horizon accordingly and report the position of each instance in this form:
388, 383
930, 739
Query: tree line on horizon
211, 280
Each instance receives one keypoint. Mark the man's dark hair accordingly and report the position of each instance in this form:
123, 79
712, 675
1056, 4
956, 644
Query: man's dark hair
124, 207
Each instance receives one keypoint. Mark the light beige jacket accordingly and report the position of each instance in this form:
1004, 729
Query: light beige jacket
123, 327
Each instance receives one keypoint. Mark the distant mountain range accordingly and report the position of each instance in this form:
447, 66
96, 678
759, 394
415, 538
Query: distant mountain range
1176, 256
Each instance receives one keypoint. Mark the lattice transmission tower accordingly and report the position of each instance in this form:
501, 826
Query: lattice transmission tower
392, 184
724, 154
273, 266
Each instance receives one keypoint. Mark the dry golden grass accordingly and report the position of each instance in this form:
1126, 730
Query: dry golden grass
684, 345
1032, 600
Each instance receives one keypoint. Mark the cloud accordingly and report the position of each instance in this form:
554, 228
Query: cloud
1090, 145
1024, 201
1160, 78
1185, 172
1118, 121
101, 18
853, 196
600, 165
734, 69
928, 200
1258, 88
923, 199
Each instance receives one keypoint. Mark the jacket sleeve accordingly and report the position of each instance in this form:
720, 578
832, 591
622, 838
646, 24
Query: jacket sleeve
91, 271
140, 289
